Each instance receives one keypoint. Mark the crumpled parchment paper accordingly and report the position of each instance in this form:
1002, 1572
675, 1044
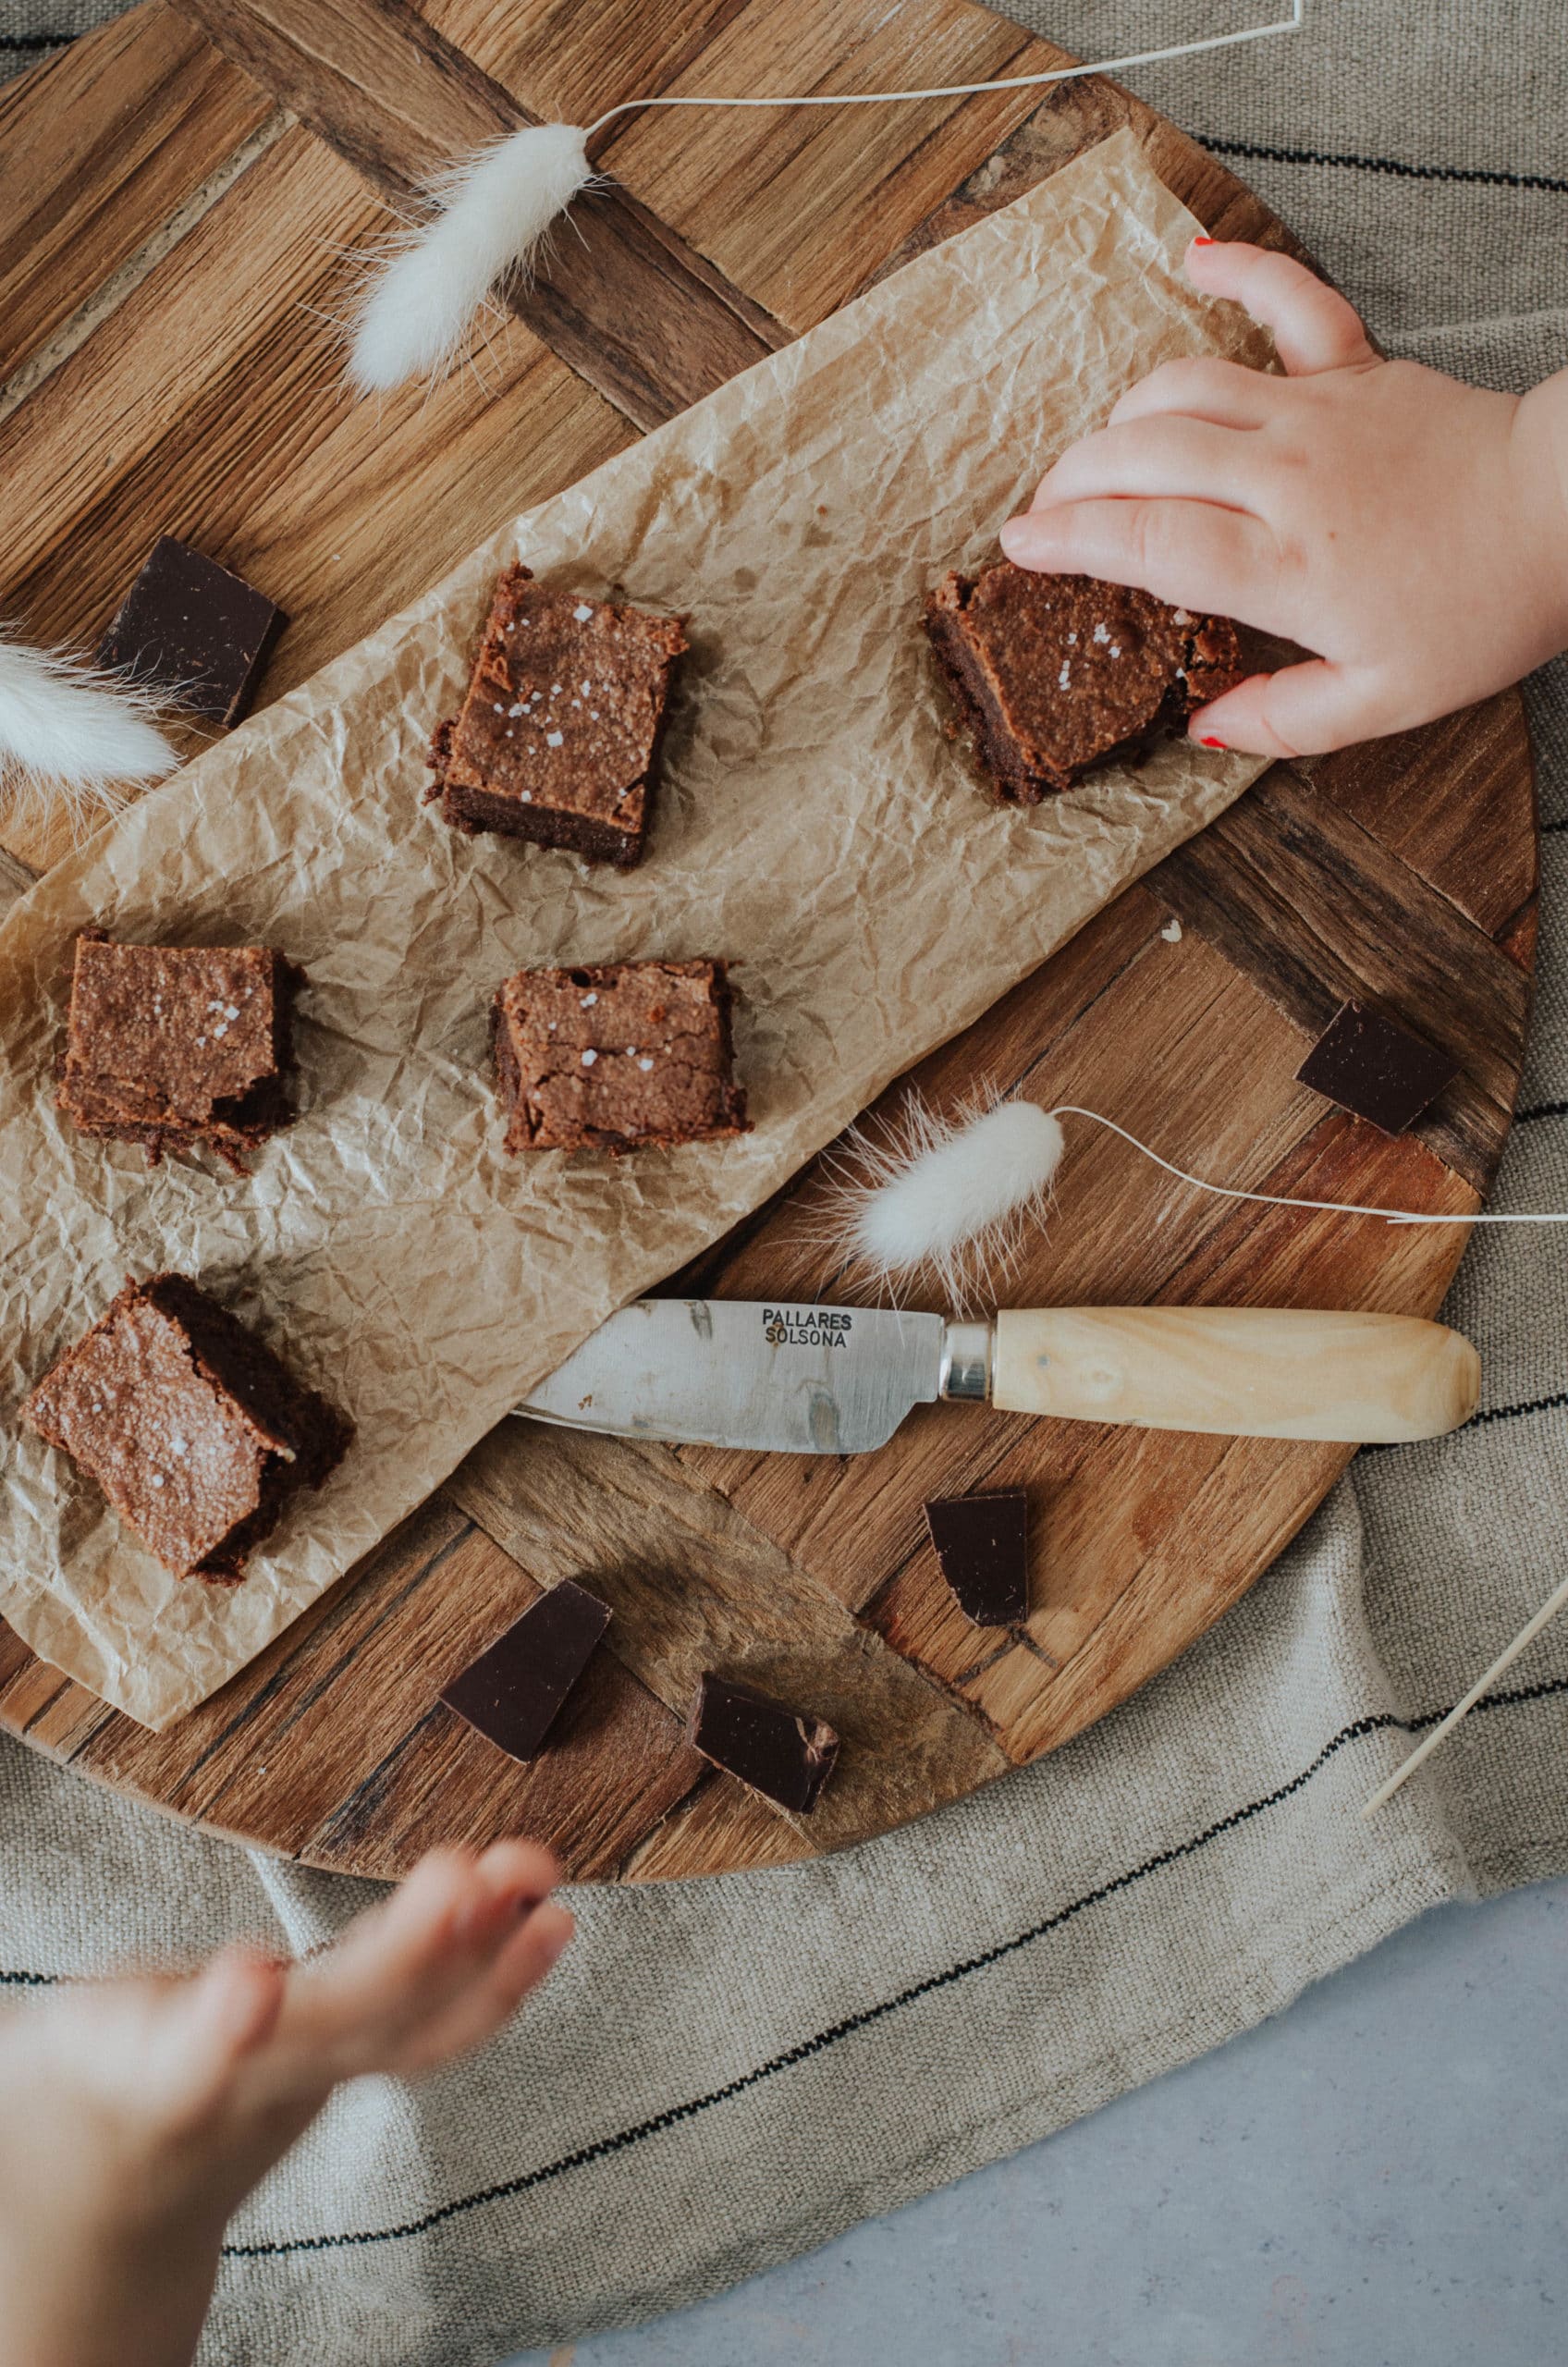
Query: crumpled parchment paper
816, 826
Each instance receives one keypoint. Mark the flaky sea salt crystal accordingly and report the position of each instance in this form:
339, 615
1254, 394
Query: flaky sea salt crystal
645, 1062
1101, 634
554, 738
588, 1001
1064, 678
583, 612
589, 1059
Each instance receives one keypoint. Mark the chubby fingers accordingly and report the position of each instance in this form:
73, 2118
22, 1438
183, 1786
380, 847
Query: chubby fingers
1190, 460
1301, 711
1193, 554
384, 1996
1314, 327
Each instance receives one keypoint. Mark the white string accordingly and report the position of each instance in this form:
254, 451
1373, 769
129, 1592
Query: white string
1282, 1200
970, 89
1554, 1603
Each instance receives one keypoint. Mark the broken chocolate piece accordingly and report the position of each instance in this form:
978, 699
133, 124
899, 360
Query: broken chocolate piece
784, 1754
1375, 1069
195, 1431
194, 630
620, 1056
558, 738
514, 1692
982, 1551
173, 1046
1054, 674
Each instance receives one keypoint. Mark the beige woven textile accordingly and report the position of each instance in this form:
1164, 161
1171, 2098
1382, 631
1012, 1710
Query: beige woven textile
722, 2074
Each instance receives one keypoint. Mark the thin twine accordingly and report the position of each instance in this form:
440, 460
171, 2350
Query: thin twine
969, 90
1283, 1200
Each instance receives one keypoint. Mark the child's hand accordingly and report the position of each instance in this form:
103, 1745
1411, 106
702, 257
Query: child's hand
1412, 530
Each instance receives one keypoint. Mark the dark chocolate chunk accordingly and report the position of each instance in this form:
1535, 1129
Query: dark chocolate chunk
1375, 1069
983, 1551
195, 630
1054, 674
173, 1046
784, 1754
514, 1692
623, 1056
560, 735
195, 1431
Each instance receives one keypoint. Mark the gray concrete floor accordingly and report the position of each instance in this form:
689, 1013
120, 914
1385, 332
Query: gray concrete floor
1375, 2179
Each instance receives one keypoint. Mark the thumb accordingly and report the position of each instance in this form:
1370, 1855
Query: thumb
1314, 327
1301, 711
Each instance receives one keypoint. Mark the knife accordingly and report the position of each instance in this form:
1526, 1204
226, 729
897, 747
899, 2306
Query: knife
815, 1380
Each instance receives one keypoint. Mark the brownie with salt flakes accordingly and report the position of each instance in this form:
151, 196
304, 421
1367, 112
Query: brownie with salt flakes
618, 1056
196, 1432
1055, 674
177, 1046
558, 739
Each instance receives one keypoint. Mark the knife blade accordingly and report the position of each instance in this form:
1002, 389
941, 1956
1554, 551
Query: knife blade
819, 1379
736, 1372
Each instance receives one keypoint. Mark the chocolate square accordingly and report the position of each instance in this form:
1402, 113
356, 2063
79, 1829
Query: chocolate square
195, 630
785, 1754
196, 1432
514, 1692
1375, 1069
176, 1046
620, 1056
982, 1544
1054, 674
558, 738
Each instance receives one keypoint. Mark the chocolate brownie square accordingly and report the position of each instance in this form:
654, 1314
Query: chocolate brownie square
626, 1056
195, 1431
1054, 674
172, 1045
1375, 1069
194, 630
558, 738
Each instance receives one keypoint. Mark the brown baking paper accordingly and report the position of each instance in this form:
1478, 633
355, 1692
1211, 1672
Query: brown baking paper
815, 824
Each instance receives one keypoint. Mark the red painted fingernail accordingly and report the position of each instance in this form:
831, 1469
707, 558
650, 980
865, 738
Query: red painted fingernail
1202, 239
1214, 743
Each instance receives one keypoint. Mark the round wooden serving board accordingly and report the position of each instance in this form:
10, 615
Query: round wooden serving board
179, 188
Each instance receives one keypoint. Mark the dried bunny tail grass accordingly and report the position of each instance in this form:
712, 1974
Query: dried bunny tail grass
949, 1197
414, 315
73, 740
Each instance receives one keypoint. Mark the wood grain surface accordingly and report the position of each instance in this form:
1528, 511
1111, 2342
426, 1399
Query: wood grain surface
185, 194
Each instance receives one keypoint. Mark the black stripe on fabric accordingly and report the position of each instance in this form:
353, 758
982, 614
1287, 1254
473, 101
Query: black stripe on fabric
28, 1979
1541, 1110
1547, 827
1516, 1413
1525, 1406
604, 2148
1394, 165
16, 43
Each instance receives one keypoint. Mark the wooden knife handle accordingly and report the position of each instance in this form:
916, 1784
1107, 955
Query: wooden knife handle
1245, 1372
